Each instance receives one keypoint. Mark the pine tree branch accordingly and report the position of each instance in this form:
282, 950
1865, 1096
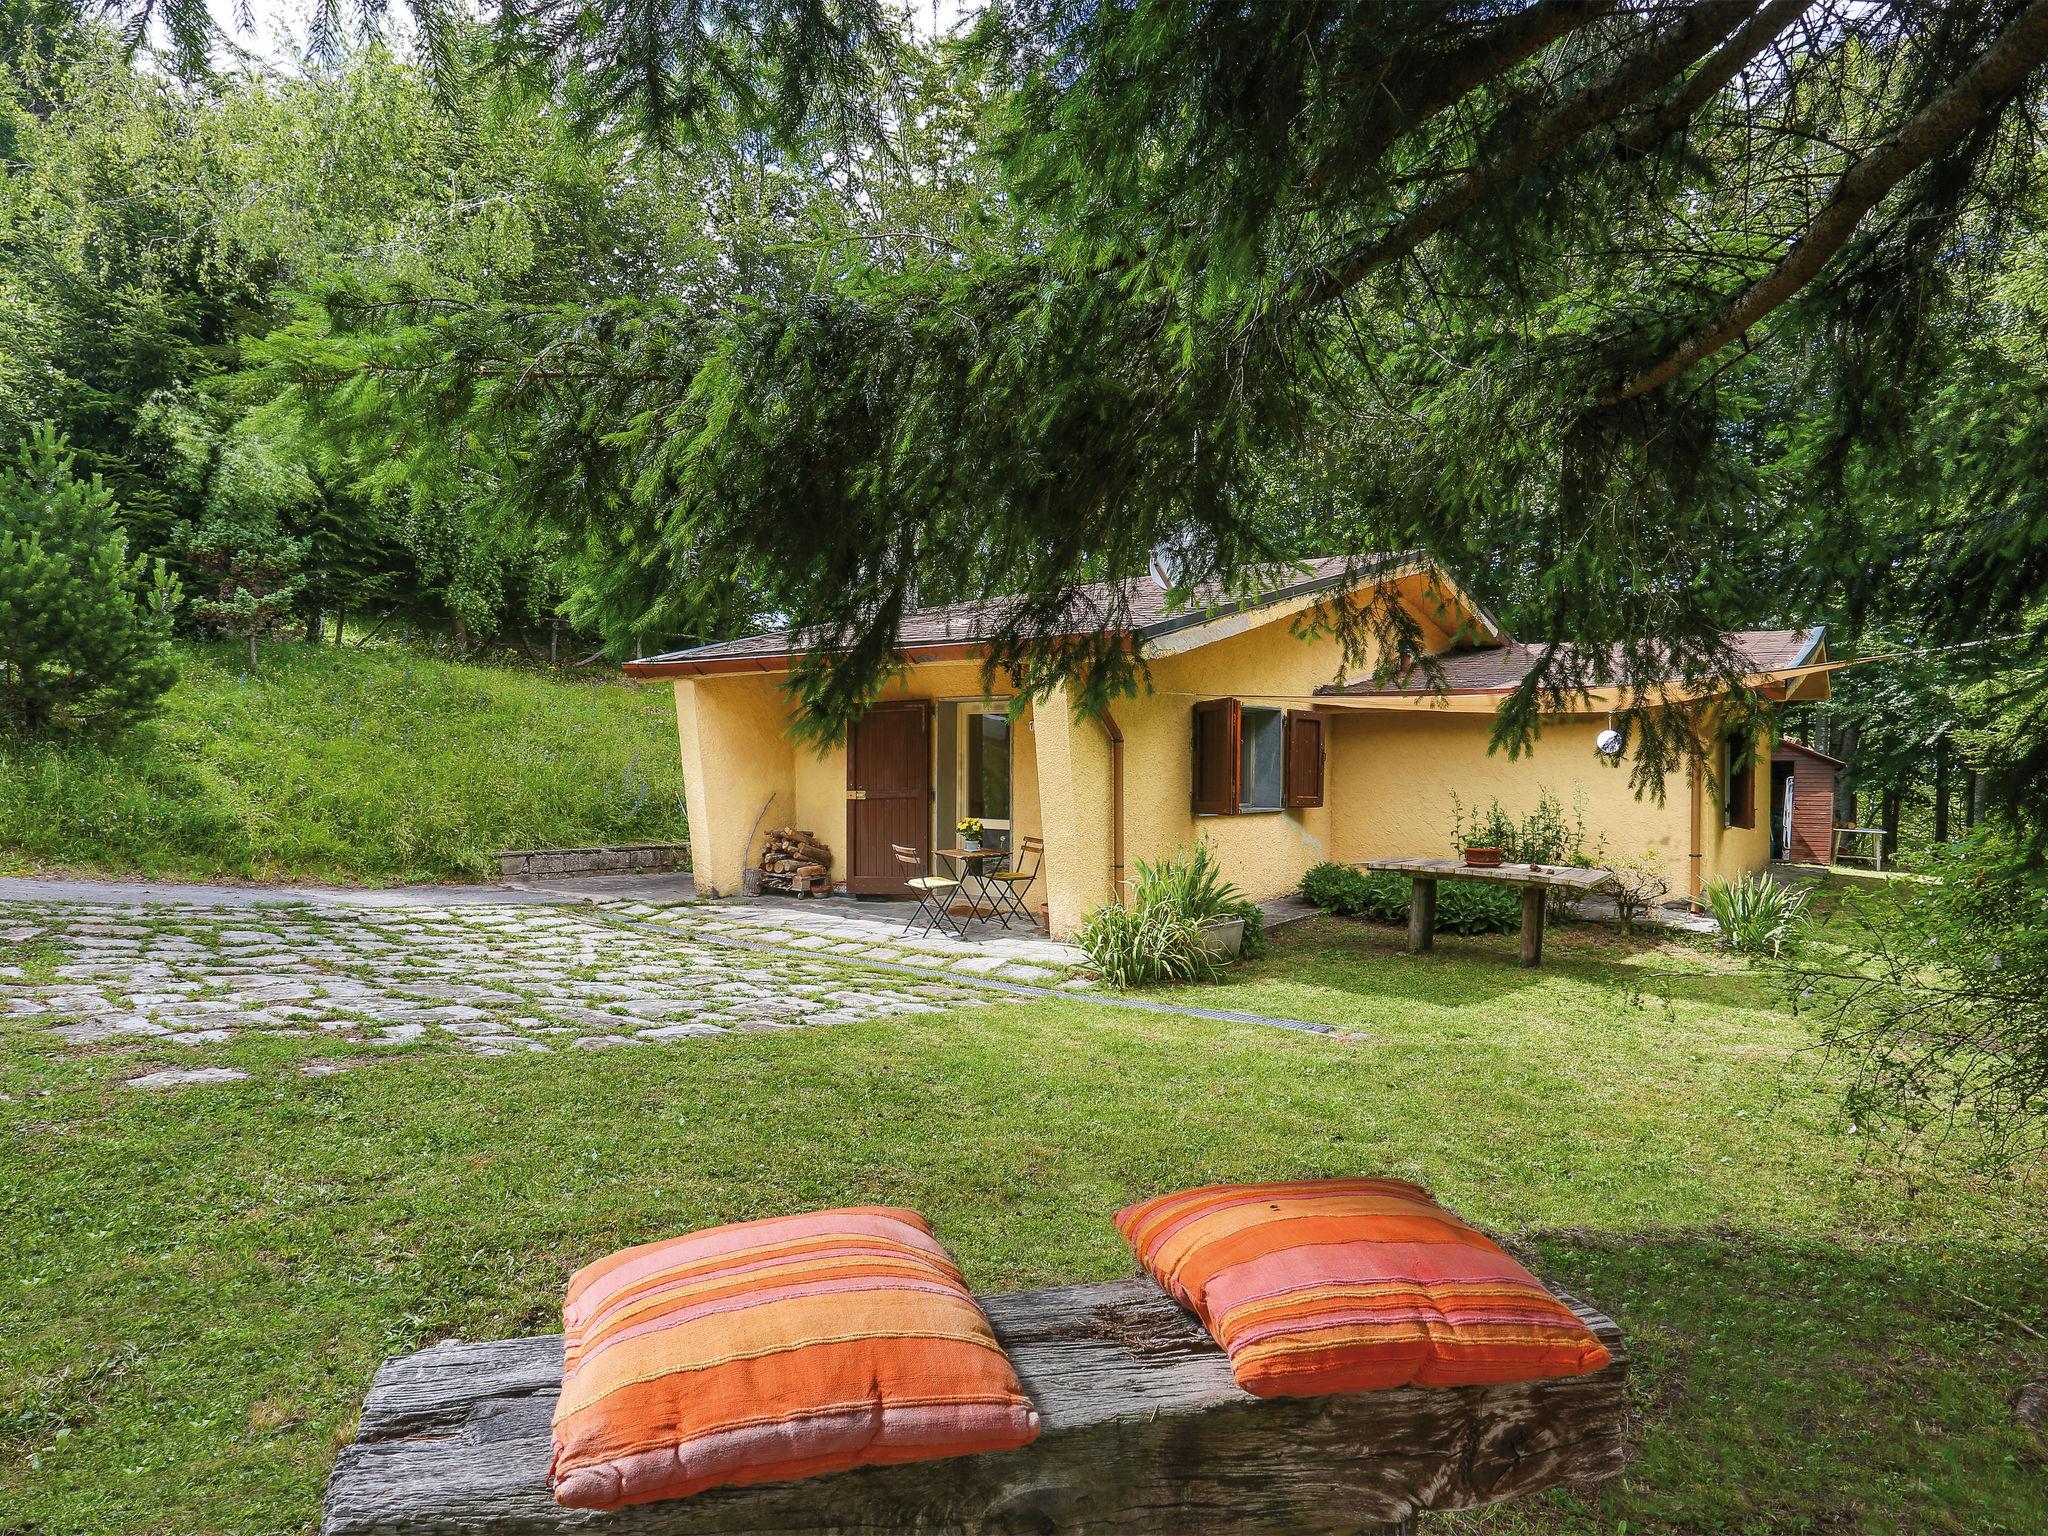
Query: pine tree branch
1729, 60
1999, 72
1464, 71
1636, 77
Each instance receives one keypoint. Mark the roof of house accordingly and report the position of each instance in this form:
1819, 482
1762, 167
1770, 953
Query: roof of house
1801, 749
1501, 668
959, 629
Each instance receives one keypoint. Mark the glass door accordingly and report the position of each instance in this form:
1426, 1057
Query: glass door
984, 769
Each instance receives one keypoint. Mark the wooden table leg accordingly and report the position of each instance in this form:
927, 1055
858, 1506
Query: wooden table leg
1421, 916
1532, 925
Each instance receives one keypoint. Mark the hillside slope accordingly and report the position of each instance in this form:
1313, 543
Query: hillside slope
348, 765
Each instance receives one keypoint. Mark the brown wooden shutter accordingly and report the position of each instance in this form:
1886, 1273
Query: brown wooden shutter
1303, 772
1217, 724
1741, 782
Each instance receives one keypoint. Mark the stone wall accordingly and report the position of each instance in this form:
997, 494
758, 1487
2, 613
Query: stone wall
632, 858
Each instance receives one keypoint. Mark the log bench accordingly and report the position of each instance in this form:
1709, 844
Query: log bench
1144, 1432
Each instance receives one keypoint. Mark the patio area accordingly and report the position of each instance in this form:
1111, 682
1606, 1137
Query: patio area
874, 930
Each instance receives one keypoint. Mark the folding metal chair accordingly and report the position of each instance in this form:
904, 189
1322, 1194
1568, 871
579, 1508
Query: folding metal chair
1008, 887
934, 893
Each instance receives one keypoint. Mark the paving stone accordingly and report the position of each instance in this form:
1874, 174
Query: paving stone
1015, 972
175, 1077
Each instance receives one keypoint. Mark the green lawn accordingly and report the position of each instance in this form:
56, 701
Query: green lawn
348, 765
199, 1283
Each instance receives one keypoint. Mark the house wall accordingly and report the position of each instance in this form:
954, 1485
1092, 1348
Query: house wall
737, 747
1393, 774
733, 733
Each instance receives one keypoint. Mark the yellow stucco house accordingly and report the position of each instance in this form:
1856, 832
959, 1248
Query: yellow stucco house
1248, 736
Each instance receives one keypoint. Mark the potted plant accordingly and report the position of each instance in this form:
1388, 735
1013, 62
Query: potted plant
1477, 857
969, 828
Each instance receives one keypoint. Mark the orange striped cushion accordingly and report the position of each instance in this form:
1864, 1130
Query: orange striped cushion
773, 1350
1351, 1285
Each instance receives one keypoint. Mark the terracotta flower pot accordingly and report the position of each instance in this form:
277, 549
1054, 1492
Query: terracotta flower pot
1482, 858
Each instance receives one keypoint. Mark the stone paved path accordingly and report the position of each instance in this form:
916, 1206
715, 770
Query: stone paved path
871, 932
489, 979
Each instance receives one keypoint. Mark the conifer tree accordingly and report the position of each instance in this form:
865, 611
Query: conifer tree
84, 626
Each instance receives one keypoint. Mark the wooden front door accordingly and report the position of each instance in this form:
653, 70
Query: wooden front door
888, 795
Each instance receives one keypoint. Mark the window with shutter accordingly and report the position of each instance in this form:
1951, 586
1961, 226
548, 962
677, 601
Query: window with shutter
1741, 779
1304, 759
1216, 746
1261, 759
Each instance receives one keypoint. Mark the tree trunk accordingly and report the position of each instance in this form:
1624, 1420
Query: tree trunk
1890, 812
1941, 778
252, 650
1973, 793
316, 629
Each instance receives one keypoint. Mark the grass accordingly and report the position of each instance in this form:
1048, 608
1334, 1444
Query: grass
348, 766
198, 1284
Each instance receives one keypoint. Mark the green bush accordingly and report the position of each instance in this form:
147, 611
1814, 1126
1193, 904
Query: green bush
1334, 887
1348, 891
84, 630
1758, 916
1467, 906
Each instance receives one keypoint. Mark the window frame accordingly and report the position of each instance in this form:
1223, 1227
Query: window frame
1217, 726
1278, 717
1739, 756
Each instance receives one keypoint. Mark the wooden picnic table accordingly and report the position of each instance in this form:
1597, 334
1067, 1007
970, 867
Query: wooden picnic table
1536, 881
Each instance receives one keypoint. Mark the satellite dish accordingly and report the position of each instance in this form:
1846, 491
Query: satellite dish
1169, 566
1608, 742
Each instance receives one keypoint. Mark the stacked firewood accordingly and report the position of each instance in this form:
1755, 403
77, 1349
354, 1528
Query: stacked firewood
793, 860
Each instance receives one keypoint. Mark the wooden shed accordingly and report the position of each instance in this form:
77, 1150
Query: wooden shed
1803, 803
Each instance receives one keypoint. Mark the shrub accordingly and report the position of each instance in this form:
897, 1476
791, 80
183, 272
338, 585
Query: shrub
84, 630
1467, 906
1639, 885
1334, 887
1386, 896
1547, 835
1348, 891
1941, 1010
1757, 915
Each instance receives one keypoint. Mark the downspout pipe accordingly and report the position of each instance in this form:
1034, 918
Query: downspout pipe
1693, 854
1116, 805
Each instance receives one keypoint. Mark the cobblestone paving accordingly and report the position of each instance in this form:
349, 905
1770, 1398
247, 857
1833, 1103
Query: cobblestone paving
492, 980
875, 934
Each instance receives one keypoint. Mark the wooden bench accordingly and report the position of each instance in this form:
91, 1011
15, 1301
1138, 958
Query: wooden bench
1144, 1432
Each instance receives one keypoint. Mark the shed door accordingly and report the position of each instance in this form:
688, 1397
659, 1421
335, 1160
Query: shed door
888, 795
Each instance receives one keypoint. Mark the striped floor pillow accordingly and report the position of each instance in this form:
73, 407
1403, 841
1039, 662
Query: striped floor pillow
774, 1350
1352, 1285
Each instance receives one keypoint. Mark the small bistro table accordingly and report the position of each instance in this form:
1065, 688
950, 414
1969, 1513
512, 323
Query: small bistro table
972, 865
1534, 879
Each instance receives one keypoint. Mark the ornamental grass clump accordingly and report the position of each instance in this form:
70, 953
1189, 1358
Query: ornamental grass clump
1757, 915
1159, 937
